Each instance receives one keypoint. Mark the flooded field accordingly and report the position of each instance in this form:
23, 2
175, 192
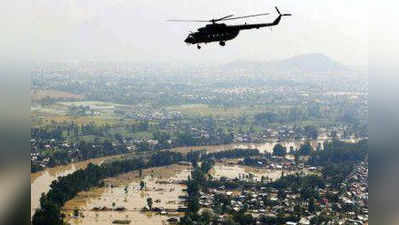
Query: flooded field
100, 205
124, 191
234, 171
262, 147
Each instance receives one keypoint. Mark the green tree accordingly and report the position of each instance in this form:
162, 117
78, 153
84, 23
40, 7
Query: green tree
279, 150
206, 216
76, 212
126, 189
311, 206
311, 132
149, 203
267, 117
49, 214
281, 194
305, 149
142, 184
193, 204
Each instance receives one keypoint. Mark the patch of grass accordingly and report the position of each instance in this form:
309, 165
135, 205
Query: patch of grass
43, 119
41, 94
204, 110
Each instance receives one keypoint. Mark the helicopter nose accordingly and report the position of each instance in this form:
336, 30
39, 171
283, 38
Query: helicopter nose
189, 40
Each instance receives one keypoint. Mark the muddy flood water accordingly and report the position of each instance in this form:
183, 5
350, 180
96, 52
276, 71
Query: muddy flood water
262, 147
162, 185
234, 171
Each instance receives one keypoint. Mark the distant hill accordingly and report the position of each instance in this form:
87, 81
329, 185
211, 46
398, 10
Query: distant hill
308, 63
312, 63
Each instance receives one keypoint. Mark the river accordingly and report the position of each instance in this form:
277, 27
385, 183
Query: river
41, 181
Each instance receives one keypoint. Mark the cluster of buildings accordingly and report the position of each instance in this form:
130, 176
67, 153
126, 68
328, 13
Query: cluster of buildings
356, 194
286, 132
265, 202
147, 113
349, 207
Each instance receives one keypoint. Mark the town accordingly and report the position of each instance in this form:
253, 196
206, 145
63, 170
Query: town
163, 144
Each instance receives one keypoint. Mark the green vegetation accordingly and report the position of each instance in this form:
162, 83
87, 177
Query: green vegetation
305, 149
35, 168
195, 183
234, 153
279, 150
121, 222
338, 152
149, 203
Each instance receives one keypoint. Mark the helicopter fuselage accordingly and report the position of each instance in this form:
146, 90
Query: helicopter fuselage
213, 33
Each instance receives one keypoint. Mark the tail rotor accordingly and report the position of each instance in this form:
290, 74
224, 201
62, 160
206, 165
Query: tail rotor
284, 14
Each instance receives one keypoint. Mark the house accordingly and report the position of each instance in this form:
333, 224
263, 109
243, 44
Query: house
290, 223
304, 221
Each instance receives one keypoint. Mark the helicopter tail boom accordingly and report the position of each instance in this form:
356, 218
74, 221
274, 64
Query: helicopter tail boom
259, 25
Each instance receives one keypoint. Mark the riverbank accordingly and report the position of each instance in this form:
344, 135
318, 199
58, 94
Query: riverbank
40, 181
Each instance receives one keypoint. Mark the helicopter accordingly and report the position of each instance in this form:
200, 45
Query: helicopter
220, 32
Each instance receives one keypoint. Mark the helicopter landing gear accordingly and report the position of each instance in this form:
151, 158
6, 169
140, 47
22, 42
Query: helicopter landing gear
222, 43
199, 47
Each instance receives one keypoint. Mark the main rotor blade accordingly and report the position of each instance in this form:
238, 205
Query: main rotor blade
220, 19
225, 17
242, 17
205, 21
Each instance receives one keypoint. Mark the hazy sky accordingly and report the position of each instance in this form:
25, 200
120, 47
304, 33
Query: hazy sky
137, 30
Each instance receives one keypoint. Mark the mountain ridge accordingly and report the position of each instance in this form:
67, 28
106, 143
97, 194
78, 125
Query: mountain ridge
304, 63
